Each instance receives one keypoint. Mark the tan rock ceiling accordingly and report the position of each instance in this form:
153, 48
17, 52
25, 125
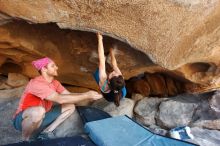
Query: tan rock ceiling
180, 35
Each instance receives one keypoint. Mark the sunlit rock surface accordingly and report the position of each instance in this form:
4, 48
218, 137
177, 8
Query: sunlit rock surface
74, 52
179, 35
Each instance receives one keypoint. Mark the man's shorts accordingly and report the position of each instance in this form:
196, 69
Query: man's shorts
48, 119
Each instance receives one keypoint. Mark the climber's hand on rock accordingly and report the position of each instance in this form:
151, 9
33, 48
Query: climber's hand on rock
99, 36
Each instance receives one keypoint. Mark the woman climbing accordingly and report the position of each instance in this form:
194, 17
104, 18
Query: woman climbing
112, 86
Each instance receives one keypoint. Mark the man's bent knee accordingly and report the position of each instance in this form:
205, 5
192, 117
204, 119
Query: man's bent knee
68, 107
71, 108
35, 113
38, 114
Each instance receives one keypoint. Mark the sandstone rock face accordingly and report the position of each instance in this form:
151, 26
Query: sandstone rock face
2, 59
157, 84
134, 17
3, 84
12, 87
172, 88
4, 19
16, 80
137, 85
74, 52
179, 35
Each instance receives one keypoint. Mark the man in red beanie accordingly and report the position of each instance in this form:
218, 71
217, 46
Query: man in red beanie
37, 109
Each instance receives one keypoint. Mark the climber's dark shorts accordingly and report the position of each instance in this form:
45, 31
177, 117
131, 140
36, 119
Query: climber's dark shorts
48, 119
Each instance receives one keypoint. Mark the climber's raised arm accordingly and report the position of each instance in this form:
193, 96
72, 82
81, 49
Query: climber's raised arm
114, 62
102, 69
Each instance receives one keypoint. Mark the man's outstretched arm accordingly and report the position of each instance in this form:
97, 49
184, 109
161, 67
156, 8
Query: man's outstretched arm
73, 97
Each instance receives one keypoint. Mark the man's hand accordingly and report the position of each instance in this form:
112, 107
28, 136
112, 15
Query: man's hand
94, 95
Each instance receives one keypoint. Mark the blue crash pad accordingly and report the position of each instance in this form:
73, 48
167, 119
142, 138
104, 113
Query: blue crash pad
123, 131
66, 141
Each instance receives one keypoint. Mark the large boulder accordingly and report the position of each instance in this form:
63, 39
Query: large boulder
146, 110
175, 112
11, 94
7, 131
215, 103
207, 113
